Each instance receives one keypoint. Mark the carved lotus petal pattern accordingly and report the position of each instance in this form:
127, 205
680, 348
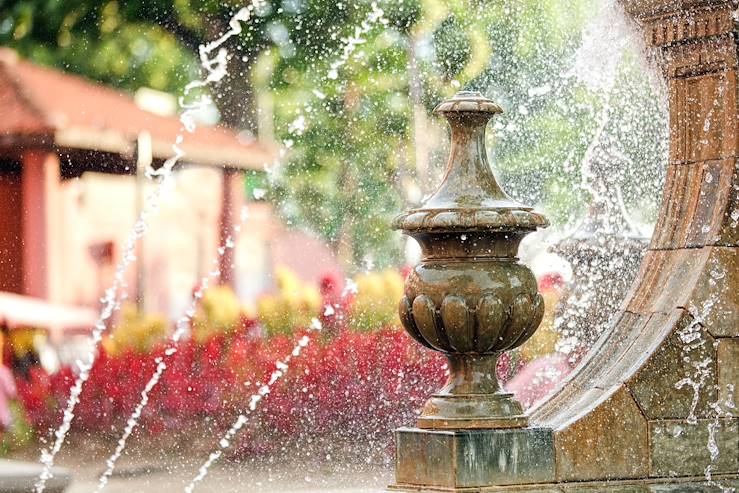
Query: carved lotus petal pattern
406, 318
455, 328
491, 319
424, 315
521, 311
536, 316
458, 324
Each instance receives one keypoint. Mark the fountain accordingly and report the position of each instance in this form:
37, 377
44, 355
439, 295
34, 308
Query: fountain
604, 251
650, 408
652, 401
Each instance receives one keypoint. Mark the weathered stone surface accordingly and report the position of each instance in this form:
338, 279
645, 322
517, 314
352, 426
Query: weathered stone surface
504, 457
716, 298
666, 280
695, 486
701, 280
676, 485
603, 487
703, 130
681, 449
473, 458
642, 344
663, 25
728, 374
686, 357
708, 221
424, 458
581, 392
712, 225
609, 442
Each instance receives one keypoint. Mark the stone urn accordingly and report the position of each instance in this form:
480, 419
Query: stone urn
470, 297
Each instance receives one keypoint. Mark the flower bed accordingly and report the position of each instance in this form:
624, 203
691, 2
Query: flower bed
354, 387
349, 387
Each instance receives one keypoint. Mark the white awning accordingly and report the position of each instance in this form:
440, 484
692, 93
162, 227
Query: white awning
18, 311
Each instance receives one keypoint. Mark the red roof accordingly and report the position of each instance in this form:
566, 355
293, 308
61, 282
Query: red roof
80, 114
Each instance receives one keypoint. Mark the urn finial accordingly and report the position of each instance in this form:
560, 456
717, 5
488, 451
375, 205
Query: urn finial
469, 196
469, 297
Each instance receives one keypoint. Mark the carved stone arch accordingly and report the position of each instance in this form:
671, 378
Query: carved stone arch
627, 411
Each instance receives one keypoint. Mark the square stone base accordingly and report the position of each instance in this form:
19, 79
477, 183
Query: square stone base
457, 460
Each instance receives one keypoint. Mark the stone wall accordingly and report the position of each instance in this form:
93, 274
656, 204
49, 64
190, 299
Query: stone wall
644, 410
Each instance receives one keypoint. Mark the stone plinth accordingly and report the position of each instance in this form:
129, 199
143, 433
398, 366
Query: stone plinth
456, 460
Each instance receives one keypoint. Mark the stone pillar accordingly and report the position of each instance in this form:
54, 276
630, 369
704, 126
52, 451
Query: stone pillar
40, 181
11, 228
232, 201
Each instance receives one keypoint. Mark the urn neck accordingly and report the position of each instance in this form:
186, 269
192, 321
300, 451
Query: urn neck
470, 246
471, 374
468, 181
469, 198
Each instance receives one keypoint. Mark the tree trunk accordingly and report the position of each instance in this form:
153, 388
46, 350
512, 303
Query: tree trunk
235, 95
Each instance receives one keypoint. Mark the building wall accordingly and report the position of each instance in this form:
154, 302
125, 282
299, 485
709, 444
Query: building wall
181, 236
181, 241
11, 252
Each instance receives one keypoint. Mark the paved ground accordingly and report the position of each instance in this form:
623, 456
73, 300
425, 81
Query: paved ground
241, 479
170, 475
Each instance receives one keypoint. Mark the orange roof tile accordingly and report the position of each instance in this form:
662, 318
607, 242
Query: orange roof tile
77, 113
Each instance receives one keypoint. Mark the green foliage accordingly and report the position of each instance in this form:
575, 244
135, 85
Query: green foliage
453, 47
117, 43
19, 434
340, 174
349, 138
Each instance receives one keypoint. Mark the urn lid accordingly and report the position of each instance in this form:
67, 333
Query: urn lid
469, 197
468, 101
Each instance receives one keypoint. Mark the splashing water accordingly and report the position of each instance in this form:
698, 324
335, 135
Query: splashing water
224, 443
213, 59
692, 338
348, 47
721, 409
350, 44
181, 328
696, 382
216, 70
215, 67
594, 161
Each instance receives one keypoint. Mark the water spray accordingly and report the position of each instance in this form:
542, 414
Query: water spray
181, 329
215, 69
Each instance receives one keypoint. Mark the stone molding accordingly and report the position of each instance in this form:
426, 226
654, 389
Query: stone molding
674, 27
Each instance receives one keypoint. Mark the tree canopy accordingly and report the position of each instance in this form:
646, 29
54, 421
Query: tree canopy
359, 134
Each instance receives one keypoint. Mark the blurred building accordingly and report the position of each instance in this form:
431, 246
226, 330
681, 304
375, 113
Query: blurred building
69, 196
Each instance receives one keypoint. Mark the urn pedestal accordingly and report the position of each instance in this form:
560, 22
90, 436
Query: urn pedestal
471, 299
